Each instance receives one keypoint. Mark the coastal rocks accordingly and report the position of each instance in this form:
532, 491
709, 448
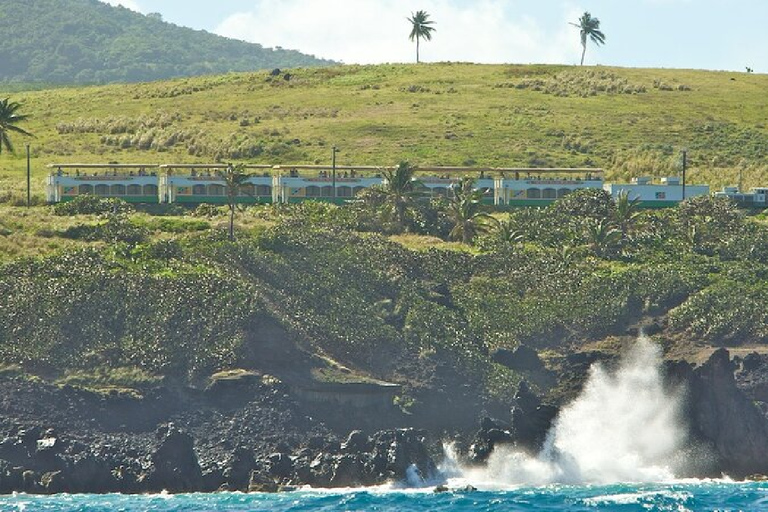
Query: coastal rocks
531, 419
723, 417
175, 465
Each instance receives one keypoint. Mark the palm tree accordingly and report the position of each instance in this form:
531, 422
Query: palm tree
420, 28
507, 234
464, 210
602, 236
400, 190
234, 181
626, 213
589, 27
8, 120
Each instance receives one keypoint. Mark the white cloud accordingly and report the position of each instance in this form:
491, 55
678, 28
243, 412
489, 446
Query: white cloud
128, 4
372, 31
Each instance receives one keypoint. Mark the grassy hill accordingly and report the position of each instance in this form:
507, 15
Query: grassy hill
630, 121
87, 41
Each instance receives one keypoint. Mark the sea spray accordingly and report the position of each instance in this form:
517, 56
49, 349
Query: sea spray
625, 426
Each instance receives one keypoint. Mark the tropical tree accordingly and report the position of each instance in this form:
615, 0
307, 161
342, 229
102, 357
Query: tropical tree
589, 27
626, 213
507, 234
465, 210
235, 180
602, 236
420, 28
9, 117
400, 190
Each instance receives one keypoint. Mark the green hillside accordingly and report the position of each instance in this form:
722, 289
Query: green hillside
86, 41
630, 121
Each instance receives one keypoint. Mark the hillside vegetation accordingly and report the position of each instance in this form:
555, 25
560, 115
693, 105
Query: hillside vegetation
632, 122
171, 296
87, 41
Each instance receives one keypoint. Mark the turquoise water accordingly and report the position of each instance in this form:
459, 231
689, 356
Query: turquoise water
700, 496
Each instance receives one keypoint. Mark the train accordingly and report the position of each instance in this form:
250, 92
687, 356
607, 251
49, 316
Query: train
204, 183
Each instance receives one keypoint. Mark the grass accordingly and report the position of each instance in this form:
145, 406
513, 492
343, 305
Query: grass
629, 121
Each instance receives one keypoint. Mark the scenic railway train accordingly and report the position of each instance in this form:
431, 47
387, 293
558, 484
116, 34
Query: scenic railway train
204, 183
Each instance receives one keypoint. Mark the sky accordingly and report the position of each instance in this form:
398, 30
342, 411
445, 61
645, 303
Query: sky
692, 34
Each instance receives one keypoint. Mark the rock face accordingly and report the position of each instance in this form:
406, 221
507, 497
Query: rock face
175, 463
723, 417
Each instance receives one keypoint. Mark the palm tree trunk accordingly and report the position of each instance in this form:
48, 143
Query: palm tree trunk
417, 49
583, 52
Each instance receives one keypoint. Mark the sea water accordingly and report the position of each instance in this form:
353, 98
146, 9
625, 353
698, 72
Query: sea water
620, 446
678, 497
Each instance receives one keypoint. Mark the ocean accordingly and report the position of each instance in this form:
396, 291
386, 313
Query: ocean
679, 497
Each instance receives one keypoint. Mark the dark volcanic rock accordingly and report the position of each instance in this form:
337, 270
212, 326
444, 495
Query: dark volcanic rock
522, 358
176, 468
722, 416
531, 419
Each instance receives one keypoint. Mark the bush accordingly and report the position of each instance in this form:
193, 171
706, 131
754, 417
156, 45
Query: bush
87, 204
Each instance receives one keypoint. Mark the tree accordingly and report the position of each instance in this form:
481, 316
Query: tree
8, 120
626, 213
420, 28
234, 181
465, 211
602, 236
400, 191
589, 27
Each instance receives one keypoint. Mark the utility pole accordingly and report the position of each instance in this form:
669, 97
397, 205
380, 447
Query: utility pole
685, 155
29, 168
333, 170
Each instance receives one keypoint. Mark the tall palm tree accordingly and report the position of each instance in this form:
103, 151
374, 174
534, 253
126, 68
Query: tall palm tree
8, 120
465, 211
420, 27
234, 181
400, 190
589, 27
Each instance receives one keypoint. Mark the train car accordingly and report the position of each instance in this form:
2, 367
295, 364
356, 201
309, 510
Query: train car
203, 183
133, 183
541, 187
756, 197
651, 195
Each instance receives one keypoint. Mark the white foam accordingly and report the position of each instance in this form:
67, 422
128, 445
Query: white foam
624, 427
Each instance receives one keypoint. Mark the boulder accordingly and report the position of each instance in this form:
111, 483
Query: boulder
175, 465
238, 471
531, 419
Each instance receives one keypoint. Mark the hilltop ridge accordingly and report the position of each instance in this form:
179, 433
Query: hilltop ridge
87, 41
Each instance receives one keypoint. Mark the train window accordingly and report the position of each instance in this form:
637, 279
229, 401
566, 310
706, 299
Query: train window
102, 190
85, 189
248, 190
533, 193
198, 190
327, 191
150, 190
549, 193
562, 192
344, 192
117, 190
312, 191
357, 190
134, 190
263, 190
216, 190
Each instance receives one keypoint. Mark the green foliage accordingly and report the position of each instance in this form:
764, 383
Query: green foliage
82, 41
88, 204
82, 309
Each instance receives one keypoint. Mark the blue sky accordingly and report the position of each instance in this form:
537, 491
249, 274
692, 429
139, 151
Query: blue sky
699, 34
